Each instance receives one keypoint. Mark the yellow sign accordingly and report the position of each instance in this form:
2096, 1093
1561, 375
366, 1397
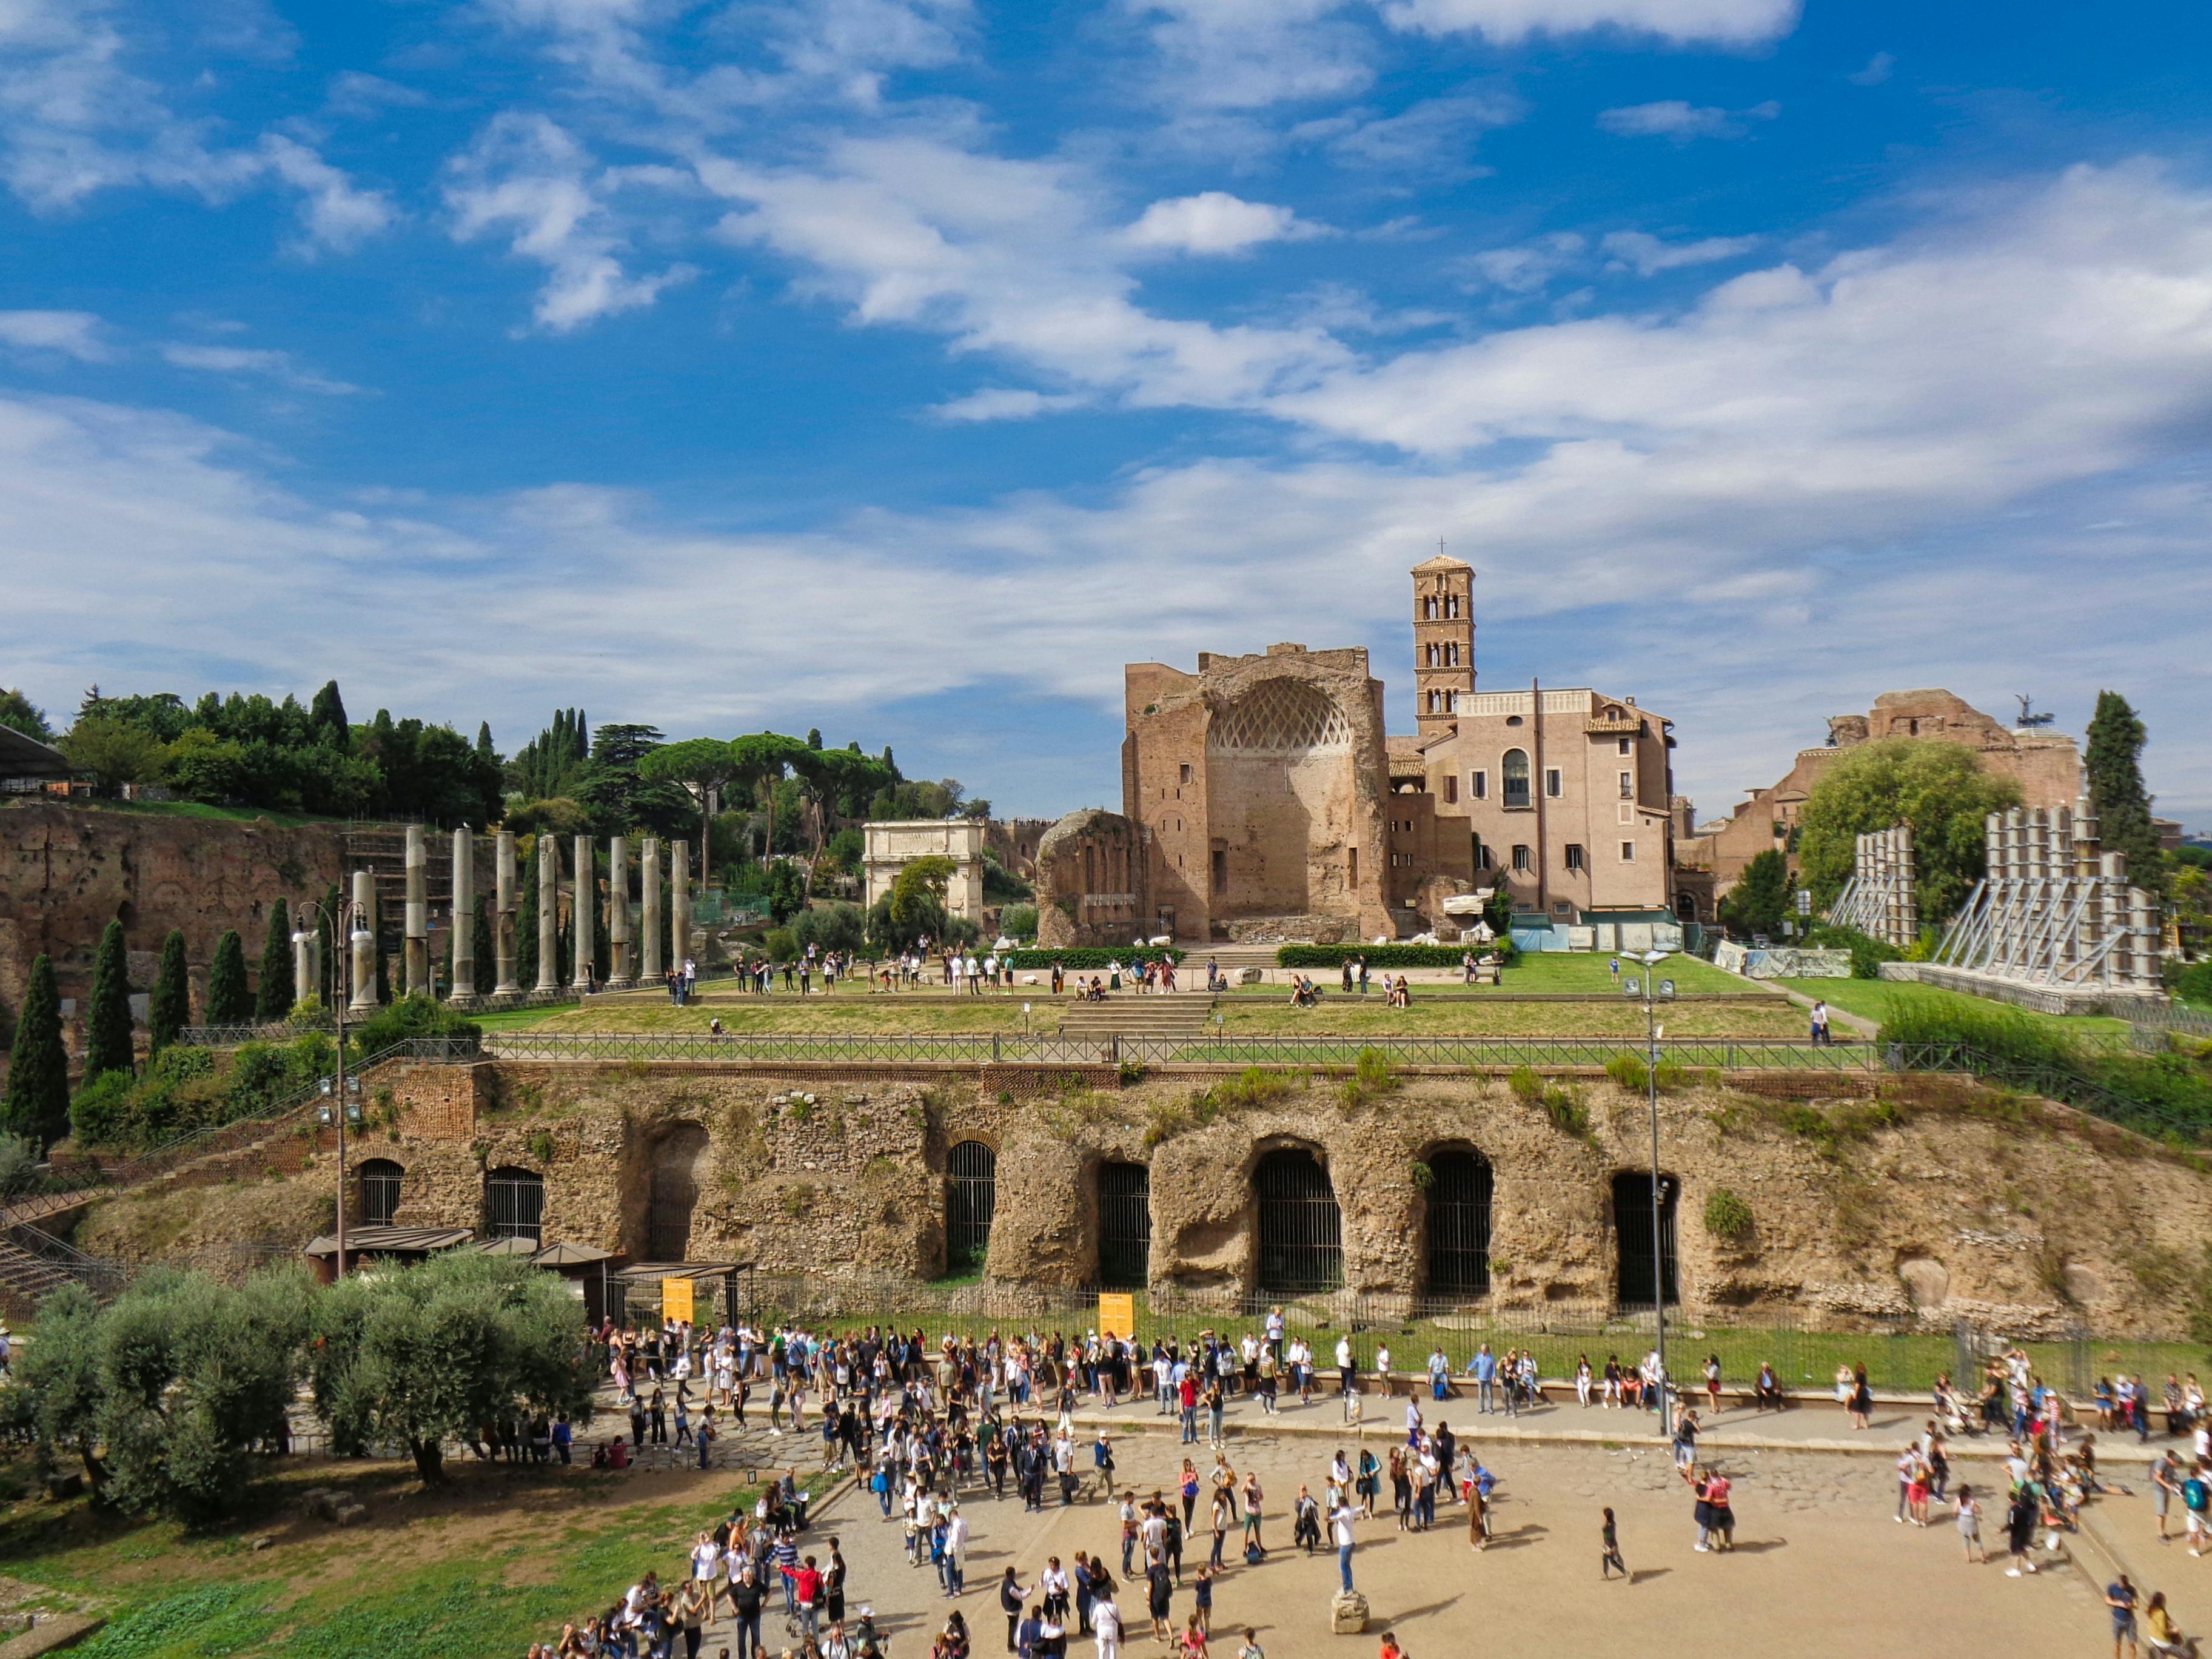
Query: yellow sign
675, 1299
1117, 1315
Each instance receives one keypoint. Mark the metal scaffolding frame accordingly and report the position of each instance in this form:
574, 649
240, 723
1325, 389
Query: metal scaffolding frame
2055, 910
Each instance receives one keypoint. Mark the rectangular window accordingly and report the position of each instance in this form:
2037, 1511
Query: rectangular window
1552, 781
1628, 786
1451, 789
1574, 855
1186, 772
1478, 785
1220, 872
1520, 858
1482, 860
1352, 865
1624, 745
1628, 852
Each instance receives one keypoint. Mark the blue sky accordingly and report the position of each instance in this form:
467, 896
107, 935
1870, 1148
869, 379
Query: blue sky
904, 366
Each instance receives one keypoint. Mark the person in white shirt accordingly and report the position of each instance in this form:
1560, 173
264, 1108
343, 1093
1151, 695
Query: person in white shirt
1106, 1626
1344, 1369
1341, 1533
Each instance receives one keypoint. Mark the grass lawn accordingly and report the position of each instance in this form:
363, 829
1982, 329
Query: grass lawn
857, 1012
498, 1560
1370, 1017
1878, 999
193, 809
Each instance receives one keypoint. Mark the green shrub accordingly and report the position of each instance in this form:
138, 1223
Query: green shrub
410, 1017
103, 1112
1630, 1072
2194, 984
1565, 1107
1727, 1216
1093, 960
1389, 956
1372, 1075
780, 945
1019, 921
1526, 1084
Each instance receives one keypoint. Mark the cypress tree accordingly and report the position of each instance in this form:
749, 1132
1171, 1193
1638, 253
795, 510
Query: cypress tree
2116, 790
107, 1021
480, 943
383, 962
484, 738
526, 920
228, 1001
37, 1105
564, 964
273, 998
327, 714
169, 1010
326, 980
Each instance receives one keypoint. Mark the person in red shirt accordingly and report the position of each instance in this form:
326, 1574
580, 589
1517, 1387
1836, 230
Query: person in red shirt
1390, 1648
806, 1586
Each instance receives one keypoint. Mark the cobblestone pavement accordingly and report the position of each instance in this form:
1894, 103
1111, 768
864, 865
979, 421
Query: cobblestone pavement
1820, 1568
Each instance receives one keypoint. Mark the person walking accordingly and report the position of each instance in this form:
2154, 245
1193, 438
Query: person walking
2120, 1597
1106, 1625
1609, 1560
1969, 1513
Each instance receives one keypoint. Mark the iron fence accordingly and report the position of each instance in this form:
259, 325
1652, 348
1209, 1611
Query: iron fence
1901, 1354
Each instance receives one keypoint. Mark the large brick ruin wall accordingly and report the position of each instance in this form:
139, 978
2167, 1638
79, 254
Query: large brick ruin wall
66, 872
1936, 1199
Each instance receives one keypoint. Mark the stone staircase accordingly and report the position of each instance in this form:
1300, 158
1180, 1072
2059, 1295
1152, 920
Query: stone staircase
1180, 1016
1233, 959
25, 1277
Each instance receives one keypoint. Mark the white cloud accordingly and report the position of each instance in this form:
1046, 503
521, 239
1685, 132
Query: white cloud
1249, 54
1435, 136
1721, 22
1647, 255
1528, 267
277, 366
1670, 117
525, 176
1876, 71
71, 333
1007, 403
1214, 222
76, 120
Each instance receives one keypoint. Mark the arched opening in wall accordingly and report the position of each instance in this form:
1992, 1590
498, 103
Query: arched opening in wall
1125, 1226
377, 1197
514, 1204
1514, 767
1642, 1277
1459, 1223
672, 1192
1301, 1229
971, 1198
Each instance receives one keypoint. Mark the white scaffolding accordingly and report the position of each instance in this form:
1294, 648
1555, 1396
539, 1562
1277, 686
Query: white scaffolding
2054, 910
1881, 899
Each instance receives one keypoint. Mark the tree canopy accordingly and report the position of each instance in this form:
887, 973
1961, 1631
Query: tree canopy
2114, 763
1939, 789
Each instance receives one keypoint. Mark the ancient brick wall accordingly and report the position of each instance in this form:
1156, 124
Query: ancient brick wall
1895, 1196
66, 872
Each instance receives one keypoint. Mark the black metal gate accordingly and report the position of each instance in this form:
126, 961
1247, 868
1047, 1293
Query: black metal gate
1631, 1229
1125, 1225
514, 1204
669, 1204
1301, 1229
1459, 1223
971, 1198
380, 1192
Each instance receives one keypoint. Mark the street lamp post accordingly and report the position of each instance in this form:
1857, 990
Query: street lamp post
348, 926
1655, 990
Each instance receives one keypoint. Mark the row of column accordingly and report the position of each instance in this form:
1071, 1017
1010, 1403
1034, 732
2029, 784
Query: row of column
628, 961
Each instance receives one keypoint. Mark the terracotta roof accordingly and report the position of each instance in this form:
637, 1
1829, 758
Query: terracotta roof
1441, 561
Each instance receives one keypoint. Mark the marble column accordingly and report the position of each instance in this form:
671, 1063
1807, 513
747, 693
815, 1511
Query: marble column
549, 911
648, 927
504, 899
587, 901
679, 904
463, 992
305, 978
622, 963
416, 956
361, 941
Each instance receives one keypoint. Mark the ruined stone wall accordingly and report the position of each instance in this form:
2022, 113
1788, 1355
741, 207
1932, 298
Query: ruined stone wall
1933, 1198
68, 871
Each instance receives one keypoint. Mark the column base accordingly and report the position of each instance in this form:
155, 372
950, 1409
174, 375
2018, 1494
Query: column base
620, 985
462, 999
507, 987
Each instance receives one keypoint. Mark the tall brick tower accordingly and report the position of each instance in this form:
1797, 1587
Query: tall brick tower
1443, 640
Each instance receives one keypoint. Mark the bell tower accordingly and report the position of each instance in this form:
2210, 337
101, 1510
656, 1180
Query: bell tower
1443, 640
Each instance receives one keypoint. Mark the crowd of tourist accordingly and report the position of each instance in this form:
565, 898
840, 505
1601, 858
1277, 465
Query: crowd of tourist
928, 1427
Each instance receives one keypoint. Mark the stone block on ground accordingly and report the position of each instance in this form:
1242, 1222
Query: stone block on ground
1347, 1613
52, 1633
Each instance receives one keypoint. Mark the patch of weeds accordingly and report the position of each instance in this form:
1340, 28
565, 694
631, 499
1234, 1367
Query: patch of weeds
541, 1146
1630, 1072
1727, 1215
1563, 1104
1372, 1077
1253, 1086
1130, 1071
798, 1199
1424, 1177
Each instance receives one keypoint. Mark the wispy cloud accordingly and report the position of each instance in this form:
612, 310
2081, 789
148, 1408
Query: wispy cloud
241, 360
1647, 255
68, 333
1719, 22
1672, 118
527, 178
1876, 71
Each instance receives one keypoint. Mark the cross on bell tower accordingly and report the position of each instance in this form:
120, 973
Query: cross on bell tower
1444, 640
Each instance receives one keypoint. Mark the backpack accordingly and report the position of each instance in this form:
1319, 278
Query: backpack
1254, 1555
2194, 1494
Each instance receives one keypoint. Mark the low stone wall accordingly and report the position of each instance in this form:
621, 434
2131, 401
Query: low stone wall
2022, 993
